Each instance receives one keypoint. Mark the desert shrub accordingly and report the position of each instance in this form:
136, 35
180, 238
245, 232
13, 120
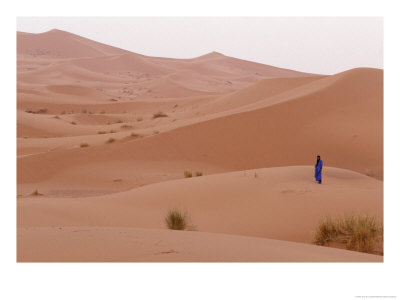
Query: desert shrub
56, 117
84, 144
359, 232
159, 114
101, 132
156, 132
112, 131
118, 121
199, 173
63, 112
84, 111
187, 173
73, 123
36, 193
176, 219
110, 140
39, 111
327, 230
139, 119
102, 111
135, 135
126, 126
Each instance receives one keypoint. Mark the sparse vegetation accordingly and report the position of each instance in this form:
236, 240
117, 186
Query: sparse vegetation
118, 121
84, 144
369, 172
139, 119
101, 132
187, 173
199, 173
110, 140
358, 232
159, 114
112, 131
176, 219
156, 132
56, 117
73, 123
102, 112
84, 111
135, 135
126, 126
36, 193
38, 111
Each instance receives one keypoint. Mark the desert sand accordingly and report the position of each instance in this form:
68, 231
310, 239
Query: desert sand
107, 169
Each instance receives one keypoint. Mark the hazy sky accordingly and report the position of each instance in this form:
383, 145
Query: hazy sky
324, 45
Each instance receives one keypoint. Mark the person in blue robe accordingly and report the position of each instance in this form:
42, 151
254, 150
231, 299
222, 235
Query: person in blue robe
318, 170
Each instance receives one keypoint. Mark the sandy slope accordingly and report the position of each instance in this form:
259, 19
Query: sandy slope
57, 57
338, 117
223, 114
280, 203
88, 244
61, 44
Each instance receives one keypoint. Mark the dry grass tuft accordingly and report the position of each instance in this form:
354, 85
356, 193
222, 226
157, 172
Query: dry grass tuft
358, 232
84, 144
73, 123
36, 193
369, 172
187, 173
38, 111
159, 114
199, 173
126, 126
135, 135
176, 219
110, 140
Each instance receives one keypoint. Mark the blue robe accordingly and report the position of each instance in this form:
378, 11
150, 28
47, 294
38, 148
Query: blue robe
318, 171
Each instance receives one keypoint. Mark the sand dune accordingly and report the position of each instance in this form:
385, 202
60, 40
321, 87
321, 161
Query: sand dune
62, 44
252, 129
87, 244
275, 135
83, 59
279, 203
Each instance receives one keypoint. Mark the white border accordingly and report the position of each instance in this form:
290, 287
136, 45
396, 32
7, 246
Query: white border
199, 281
